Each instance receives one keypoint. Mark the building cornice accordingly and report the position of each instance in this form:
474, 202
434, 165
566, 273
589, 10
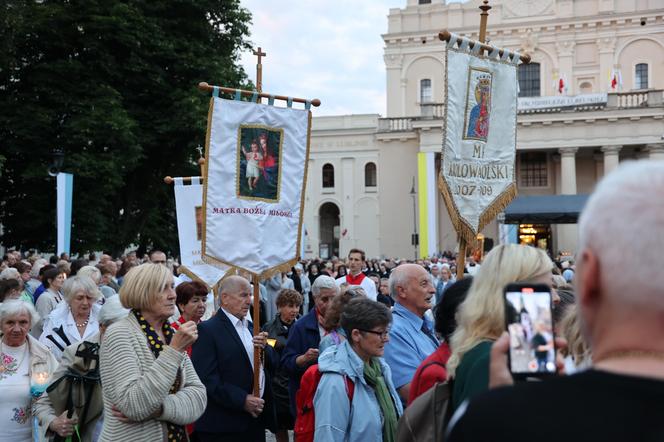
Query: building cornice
590, 23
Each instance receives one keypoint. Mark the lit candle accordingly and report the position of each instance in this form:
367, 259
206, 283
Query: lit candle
39, 383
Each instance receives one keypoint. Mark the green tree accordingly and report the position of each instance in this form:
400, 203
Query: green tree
113, 84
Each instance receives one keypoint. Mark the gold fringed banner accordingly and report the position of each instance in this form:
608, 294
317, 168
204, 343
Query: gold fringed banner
253, 197
477, 179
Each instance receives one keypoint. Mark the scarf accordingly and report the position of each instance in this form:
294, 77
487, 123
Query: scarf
355, 280
374, 377
176, 433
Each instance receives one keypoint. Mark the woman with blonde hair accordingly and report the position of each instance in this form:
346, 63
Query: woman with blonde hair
578, 356
481, 317
150, 388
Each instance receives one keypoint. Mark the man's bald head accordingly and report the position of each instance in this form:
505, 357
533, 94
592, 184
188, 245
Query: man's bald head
621, 227
625, 214
233, 284
412, 286
236, 296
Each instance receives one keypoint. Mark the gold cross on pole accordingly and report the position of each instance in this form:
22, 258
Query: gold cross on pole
259, 69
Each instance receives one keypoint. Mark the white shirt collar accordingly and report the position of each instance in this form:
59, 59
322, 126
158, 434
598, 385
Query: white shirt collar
234, 319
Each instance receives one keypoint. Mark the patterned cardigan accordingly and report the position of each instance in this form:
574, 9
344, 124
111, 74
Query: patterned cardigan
138, 385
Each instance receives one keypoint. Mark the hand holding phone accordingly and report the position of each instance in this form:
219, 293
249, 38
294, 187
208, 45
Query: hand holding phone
530, 326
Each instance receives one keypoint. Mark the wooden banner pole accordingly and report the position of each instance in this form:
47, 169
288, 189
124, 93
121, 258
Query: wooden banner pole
257, 328
259, 69
461, 259
484, 17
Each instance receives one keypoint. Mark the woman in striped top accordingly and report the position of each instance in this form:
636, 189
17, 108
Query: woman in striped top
150, 388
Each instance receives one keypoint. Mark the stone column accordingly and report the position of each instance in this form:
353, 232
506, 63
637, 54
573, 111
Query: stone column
599, 165
394, 96
568, 170
611, 158
567, 233
555, 157
404, 84
656, 151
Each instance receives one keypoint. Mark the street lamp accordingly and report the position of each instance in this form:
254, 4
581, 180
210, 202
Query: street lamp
57, 159
414, 240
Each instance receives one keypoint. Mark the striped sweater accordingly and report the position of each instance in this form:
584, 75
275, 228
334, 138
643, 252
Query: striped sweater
138, 385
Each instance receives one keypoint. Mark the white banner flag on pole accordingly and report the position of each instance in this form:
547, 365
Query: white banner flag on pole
479, 137
254, 189
189, 207
65, 190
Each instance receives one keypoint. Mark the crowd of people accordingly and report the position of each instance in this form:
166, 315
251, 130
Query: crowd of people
125, 349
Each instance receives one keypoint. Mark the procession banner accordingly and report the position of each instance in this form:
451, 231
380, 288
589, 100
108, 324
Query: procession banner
479, 135
256, 158
189, 207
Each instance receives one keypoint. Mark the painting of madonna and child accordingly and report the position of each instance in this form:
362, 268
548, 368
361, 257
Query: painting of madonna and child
258, 167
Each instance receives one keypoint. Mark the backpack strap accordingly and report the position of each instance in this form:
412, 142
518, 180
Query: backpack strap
433, 363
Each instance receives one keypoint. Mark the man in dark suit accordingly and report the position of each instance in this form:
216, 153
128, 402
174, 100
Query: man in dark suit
223, 358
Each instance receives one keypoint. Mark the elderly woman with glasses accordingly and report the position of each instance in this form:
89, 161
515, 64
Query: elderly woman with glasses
57, 420
75, 319
25, 366
150, 388
376, 407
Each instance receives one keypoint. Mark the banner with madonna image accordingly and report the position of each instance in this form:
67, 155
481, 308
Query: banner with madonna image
477, 178
256, 157
189, 208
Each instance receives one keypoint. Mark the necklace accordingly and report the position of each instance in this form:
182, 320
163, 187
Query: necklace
84, 323
7, 365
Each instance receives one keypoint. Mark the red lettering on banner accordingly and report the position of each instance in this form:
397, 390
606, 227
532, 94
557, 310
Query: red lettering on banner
251, 211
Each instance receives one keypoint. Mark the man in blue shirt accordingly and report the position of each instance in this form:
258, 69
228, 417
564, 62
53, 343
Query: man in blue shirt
411, 338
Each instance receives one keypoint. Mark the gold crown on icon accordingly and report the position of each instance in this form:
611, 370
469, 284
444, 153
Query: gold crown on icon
484, 80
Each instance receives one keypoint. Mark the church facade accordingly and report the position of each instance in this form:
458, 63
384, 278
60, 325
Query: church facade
591, 97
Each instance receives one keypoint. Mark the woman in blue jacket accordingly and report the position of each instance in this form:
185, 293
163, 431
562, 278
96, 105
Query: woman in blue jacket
374, 410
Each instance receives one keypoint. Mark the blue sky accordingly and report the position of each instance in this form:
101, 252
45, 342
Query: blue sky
326, 49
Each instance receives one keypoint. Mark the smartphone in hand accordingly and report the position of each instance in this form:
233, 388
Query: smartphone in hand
529, 323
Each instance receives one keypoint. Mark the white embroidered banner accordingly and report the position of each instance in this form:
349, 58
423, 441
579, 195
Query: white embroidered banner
479, 137
189, 208
256, 161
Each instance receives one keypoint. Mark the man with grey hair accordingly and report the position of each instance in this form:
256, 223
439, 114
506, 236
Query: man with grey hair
223, 357
622, 319
411, 338
301, 349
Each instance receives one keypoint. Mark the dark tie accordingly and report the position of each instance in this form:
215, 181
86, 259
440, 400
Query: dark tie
427, 331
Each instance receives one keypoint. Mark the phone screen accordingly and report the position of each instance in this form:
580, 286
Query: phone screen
530, 326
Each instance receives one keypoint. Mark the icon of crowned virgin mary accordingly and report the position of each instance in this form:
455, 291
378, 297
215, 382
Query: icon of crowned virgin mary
477, 120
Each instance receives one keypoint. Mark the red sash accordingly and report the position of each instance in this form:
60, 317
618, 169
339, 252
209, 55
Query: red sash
355, 280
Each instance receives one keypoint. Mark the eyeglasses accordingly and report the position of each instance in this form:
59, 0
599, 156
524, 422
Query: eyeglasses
383, 335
